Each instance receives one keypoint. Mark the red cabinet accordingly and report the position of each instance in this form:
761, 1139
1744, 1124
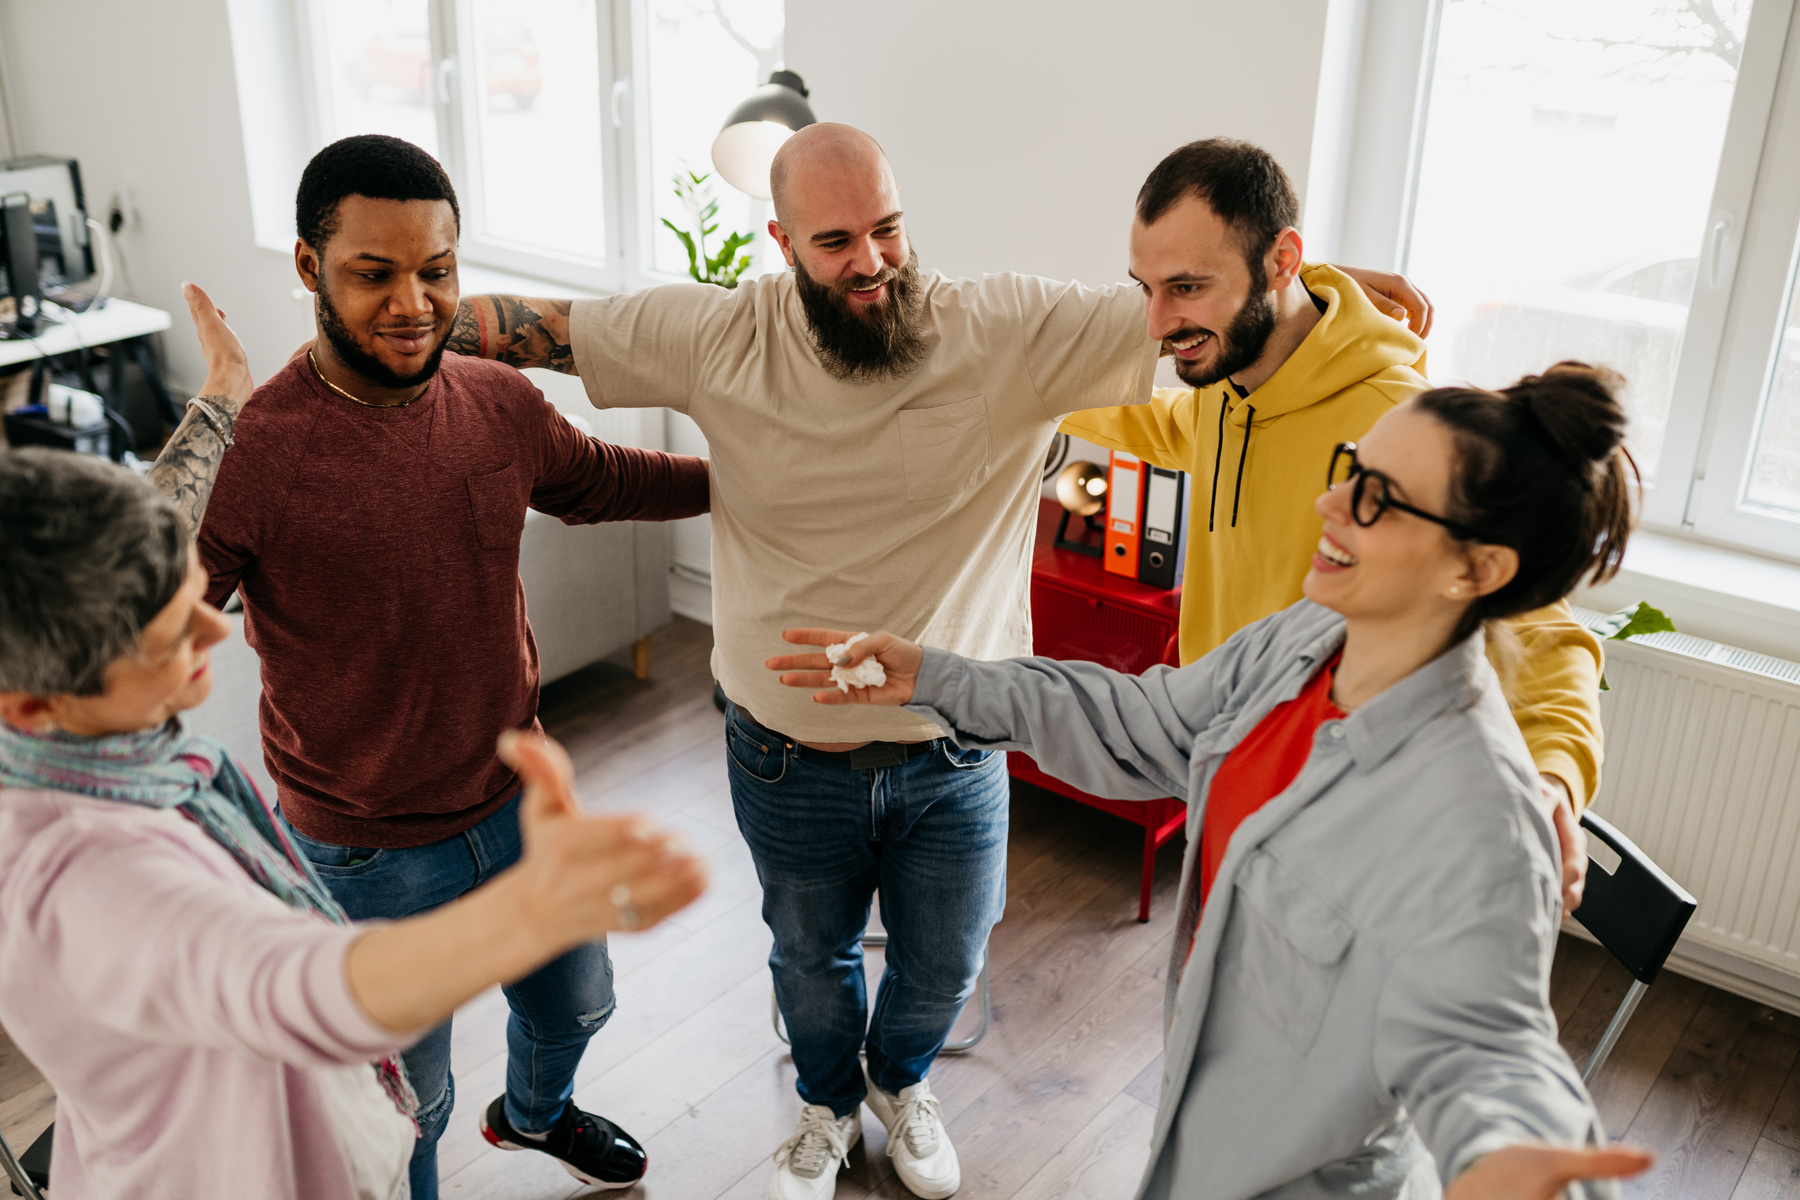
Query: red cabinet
1080, 611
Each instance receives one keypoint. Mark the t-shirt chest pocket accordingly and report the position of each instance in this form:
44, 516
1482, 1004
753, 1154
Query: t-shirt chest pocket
1288, 949
498, 508
944, 450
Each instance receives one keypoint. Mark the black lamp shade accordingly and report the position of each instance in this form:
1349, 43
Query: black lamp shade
756, 128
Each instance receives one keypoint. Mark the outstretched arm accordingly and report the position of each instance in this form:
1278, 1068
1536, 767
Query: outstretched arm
515, 330
189, 462
579, 878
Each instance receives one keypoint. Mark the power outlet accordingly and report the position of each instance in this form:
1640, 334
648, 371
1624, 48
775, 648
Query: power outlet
122, 211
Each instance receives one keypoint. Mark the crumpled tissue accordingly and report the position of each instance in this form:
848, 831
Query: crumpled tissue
867, 673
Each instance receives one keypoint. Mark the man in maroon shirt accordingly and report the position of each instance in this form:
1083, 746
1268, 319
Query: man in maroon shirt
370, 519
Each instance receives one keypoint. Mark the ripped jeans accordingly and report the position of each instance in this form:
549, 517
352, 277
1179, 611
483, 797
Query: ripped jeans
555, 1009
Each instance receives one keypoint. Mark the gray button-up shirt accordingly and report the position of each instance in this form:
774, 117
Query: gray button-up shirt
1366, 1007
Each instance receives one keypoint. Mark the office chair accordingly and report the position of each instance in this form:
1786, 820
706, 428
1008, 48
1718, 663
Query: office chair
1637, 913
960, 1046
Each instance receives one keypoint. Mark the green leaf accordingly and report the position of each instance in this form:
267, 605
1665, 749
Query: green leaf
1630, 622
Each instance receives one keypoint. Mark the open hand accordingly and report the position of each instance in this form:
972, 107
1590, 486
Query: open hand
898, 657
1396, 296
227, 366
1542, 1172
584, 876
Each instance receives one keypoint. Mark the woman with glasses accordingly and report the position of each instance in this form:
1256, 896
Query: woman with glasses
1358, 997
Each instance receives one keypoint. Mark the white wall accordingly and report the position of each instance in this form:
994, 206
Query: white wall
144, 96
1021, 130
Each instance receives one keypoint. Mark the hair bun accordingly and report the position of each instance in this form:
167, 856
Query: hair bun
1577, 405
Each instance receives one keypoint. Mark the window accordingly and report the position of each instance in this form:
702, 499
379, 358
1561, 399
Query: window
1618, 181
705, 56
560, 121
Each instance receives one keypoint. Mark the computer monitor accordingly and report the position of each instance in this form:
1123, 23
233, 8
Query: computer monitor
21, 258
57, 180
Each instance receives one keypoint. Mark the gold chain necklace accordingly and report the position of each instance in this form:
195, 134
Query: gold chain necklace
314, 363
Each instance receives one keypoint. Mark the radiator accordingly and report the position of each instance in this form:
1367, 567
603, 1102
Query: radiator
1701, 746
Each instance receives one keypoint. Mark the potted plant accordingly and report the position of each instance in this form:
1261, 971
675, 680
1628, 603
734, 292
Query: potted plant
725, 267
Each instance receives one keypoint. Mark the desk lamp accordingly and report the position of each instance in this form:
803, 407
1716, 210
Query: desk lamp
756, 128
1081, 490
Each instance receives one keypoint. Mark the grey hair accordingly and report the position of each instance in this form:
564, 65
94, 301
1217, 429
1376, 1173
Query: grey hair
89, 554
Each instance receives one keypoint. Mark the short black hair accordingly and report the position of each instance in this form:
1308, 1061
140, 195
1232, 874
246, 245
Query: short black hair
1240, 182
89, 554
372, 165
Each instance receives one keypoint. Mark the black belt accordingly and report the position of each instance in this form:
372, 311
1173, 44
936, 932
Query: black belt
863, 758
876, 754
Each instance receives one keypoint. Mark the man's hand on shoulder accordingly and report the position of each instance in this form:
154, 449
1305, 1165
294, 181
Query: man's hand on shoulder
1396, 296
515, 330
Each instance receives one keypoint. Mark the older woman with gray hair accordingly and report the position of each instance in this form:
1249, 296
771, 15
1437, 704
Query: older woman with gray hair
212, 1024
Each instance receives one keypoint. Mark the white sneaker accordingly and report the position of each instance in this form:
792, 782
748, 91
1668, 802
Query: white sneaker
806, 1166
923, 1156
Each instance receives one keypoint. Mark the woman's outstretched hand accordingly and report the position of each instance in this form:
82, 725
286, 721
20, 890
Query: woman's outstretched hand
227, 366
897, 656
585, 876
1542, 1172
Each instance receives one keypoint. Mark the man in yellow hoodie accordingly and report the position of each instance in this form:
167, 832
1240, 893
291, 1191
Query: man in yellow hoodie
1283, 362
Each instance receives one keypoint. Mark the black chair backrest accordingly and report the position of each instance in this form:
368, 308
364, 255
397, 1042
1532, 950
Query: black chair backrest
1636, 911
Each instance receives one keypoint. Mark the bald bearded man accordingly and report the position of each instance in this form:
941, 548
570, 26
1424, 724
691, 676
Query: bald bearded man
877, 437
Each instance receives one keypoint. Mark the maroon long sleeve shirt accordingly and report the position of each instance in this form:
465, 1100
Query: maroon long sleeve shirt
377, 554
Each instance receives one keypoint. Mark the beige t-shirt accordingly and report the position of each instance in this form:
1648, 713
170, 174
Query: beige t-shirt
907, 504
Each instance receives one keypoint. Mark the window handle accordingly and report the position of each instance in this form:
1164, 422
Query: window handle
446, 68
620, 93
1715, 269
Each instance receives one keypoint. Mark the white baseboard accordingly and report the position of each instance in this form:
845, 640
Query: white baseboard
1727, 972
690, 598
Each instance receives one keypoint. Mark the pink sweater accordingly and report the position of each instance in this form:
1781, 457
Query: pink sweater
182, 1013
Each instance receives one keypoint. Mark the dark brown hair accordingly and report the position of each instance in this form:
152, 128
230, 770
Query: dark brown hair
1542, 468
1241, 183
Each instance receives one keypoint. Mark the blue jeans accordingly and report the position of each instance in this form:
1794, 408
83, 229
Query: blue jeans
931, 835
555, 1009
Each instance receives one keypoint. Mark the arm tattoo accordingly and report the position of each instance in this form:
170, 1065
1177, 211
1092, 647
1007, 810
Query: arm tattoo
514, 330
190, 462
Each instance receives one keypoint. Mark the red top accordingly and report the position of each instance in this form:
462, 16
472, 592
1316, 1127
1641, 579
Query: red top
377, 553
1261, 767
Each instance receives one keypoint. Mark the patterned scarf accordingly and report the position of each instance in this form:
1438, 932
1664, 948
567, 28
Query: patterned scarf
165, 768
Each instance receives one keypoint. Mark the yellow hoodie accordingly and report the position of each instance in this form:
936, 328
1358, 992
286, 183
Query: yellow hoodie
1259, 461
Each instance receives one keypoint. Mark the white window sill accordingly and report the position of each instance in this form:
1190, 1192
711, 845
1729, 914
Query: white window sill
1725, 595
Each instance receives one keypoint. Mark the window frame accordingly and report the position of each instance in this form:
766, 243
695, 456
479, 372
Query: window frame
622, 52
1738, 306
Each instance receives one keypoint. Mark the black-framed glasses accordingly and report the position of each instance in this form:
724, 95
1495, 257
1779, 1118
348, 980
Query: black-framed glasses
1372, 493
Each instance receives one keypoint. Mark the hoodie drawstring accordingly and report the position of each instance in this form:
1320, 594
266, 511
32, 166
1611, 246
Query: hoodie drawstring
1218, 453
1243, 453
1218, 457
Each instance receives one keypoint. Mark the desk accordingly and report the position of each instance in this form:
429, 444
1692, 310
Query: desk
1080, 611
120, 323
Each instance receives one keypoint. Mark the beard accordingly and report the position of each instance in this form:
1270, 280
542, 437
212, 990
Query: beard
1242, 342
351, 353
868, 342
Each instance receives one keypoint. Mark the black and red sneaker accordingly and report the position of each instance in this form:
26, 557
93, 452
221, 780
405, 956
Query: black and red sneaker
590, 1148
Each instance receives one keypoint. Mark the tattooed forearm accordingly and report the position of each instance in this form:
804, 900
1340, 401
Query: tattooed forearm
190, 462
514, 330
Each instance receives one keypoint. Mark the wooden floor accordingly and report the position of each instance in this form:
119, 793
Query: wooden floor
1057, 1101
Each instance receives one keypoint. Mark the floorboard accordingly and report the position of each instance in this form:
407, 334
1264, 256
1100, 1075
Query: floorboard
1705, 1113
1057, 1103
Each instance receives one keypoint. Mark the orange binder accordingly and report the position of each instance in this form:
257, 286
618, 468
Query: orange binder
1124, 513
